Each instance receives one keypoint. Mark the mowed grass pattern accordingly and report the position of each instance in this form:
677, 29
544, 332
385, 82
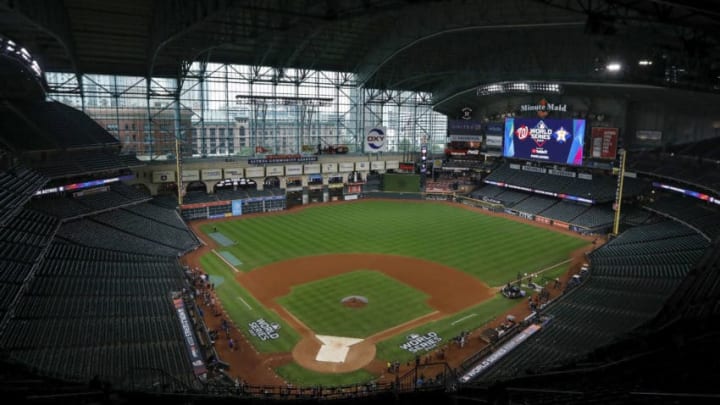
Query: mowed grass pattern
494, 249
390, 303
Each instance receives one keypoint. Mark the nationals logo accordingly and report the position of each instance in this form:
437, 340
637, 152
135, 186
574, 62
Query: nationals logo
541, 133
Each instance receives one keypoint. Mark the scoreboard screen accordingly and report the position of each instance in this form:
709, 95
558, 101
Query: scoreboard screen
547, 140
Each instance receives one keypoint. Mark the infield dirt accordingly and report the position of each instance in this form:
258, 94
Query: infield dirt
450, 291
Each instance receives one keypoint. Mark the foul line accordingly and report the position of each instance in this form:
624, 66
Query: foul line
402, 326
225, 260
462, 319
547, 268
245, 302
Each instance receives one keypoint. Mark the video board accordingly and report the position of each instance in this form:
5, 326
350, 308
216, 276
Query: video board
546, 140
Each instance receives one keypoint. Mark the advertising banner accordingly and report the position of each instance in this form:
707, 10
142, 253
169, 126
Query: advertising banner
392, 164
464, 127
255, 171
193, 348
604, 142
233, 173
547, 140
647, 136
499, 353
274, 170
311, 168
376, 140
493, 141
212, 174
236, 208
377, 165
293, 170
346, 167
362, 166
494, 128
190, 175
329, 167
163, 176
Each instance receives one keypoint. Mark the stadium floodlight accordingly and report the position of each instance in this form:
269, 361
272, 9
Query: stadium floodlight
613, 67
645, 62
518, 87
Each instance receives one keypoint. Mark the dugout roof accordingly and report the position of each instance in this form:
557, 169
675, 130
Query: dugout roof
443, 47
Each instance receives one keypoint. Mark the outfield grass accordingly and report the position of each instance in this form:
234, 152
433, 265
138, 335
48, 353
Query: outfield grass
235, 300
494, 249
390, 303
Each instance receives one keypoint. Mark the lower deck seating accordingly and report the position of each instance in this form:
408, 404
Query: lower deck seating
618, 297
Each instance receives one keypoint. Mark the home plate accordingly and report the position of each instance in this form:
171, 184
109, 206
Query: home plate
334, 349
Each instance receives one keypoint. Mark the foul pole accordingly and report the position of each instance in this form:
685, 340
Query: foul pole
618, 193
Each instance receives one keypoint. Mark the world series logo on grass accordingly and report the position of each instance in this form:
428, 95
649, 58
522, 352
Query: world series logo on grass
416, 342
264, 330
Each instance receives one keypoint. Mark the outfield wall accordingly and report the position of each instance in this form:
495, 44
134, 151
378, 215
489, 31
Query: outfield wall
401, 182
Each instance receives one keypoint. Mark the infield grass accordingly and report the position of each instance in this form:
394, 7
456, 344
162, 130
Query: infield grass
494, 249
467, 320
318, 304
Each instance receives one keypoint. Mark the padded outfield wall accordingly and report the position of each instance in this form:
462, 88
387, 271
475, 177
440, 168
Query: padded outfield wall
401, 182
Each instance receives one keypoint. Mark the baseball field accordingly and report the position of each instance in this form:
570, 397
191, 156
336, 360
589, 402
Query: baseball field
331, 292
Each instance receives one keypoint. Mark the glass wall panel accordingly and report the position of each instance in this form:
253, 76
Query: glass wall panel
240, 110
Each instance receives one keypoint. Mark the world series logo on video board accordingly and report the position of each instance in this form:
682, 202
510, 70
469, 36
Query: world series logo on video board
548, 140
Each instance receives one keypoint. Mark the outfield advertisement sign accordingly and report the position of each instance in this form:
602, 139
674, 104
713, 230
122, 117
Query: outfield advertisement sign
546, 140
163, 176
211, 174
293, 170
346, 167
377, 165
329, 167
494, 128
233, 172
264, 330
392, 164
312, 168
416, 343
604, 142
236, 208
255, 171
376, 140
190, 175
275, 170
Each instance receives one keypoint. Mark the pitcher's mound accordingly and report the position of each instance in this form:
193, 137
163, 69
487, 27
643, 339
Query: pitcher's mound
354, 301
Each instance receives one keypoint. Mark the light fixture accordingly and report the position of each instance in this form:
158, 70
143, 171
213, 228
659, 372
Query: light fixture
613, 67
519, 87
645, 62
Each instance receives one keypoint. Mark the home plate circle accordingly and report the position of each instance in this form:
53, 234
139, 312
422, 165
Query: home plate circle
334, 349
